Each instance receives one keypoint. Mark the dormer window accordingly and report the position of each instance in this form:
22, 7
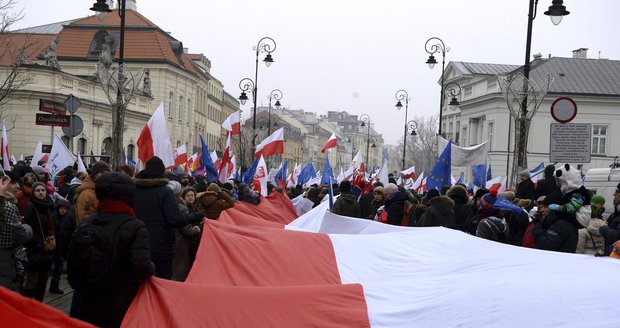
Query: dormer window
99, 40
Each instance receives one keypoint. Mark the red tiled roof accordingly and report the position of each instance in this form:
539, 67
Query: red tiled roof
132, 18
34, 45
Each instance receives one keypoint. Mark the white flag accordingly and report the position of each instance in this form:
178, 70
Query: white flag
261, 177
38, 154
60, 157
382, 174
81, 167
462, 156
6, 165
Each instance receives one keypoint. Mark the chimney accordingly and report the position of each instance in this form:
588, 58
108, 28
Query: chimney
131, 5
537, 56
581, 53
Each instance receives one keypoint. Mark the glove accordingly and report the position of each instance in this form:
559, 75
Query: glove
554, 207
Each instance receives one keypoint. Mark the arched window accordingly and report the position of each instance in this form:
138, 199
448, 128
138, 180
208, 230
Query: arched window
130, 151
98, 41
81, 146
66, 140
106, 146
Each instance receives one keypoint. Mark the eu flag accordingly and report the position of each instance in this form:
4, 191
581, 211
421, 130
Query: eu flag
489, 175
479, 175
440, 174
306, 174
327, 173
248, 176
280, 178
207, 163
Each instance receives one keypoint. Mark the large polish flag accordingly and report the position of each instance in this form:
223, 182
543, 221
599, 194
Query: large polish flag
233, 123
226, 164
272, 145
375, 275
154, 139
332, 142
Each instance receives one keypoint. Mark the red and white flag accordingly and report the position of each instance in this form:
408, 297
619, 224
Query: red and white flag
274, 144
38, 154
233, 123
332, 142
261, 176
354, 167
154, 139
418, 182
6, 156
226, 164
180, 156
408, 173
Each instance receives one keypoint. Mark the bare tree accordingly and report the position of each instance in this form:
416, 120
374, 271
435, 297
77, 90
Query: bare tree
422, 148
14, 49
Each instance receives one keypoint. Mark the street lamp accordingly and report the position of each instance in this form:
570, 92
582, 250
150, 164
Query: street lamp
267, 45
277, 95
453, 89
412, 126
433, 48
403, 95
118, 87
246, 85
366, 122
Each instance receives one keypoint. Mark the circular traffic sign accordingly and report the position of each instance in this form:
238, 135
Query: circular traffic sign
563, 109
75, 129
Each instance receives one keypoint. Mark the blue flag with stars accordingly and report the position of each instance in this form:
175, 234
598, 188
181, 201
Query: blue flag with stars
489, 175
479, 171
248, 176
207, 163
327, 173
440, 174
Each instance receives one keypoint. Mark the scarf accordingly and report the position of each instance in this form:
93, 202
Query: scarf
114, 206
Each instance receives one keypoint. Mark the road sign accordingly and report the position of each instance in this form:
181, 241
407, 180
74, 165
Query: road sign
72, 104
563, 109
570, 143
52, 120
51, 107
75, 127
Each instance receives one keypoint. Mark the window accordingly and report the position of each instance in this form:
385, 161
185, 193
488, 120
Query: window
99, 39
599, 139
130, 151
170, 103
189, 110
66, 140
180, 112
81, 146
490, 135
106, 145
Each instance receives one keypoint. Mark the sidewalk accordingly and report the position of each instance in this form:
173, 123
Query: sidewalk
60, 302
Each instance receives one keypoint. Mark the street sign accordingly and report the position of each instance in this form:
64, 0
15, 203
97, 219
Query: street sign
72, 104
52, 120
570, 143
51, 107
563, 109
75, 127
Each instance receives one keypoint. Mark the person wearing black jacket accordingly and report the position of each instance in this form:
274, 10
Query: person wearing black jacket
558, 231
129, 255
525, 188
610, 230
458, 194
157, 207
346, 204
547, 185
365, 201
394, 204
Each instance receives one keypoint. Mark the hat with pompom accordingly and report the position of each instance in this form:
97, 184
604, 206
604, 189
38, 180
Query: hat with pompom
488, 199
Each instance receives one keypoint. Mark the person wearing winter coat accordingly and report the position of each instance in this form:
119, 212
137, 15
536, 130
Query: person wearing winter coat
610, 229
86, 202
62, 213
38, 215
590, 239
13, 233
547, 185
213, 201
346, 204
129, 253
394, 204
157, 207
439, 213
25, 193
458, 195
74, 185
378, 200
558, 231
185, 237
525, 188
365, 201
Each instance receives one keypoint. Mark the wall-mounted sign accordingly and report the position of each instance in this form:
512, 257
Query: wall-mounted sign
51, 107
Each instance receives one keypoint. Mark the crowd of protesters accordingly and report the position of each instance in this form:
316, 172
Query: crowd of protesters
113, 230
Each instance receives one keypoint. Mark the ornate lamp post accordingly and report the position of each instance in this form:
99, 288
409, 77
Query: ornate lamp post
453, 89
277, 95
119, 85
437, 45
366, 122
412, 126
403, 95
246, 85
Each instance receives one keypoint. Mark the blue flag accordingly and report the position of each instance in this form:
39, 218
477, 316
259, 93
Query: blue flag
479, 171
307, 173
539, 168
460, 179
489, 175
503, 204
207, 163
327, 173
441, 172
248, 176
281, 175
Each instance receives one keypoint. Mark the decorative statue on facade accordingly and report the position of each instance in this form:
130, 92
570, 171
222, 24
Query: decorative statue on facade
146, 86
51, 58
105, 58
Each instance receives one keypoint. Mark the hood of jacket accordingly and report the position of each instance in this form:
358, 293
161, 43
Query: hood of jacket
150, 183
347, 197
88, 183
442, 204
75, 182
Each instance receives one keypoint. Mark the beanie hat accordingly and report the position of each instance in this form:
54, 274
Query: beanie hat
154, 168
525, 173
227, 186
553, 198
457, 192
508, 194
597, 200
99, 167
549, 169
175, 186
62, 202
345, 186
488, 199
36, 184
14, 177
38, 169
115, 185
480, 192
214, 187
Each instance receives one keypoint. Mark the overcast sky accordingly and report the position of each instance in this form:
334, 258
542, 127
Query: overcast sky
354, 55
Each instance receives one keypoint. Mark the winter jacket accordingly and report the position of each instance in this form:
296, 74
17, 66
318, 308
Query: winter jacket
611, 231
517, 226
213, 203
590, 241
462, 211
525, 190
12, 235
186, 243
556, 233
38, 215
86, 203
347, 205
23, 197
366, 209
133, 265
439, 213
546, 186
395, 207
157, 207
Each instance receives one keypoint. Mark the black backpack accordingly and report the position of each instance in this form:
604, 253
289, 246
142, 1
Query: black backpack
92, 262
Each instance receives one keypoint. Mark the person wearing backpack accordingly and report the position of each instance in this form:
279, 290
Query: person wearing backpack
109, 255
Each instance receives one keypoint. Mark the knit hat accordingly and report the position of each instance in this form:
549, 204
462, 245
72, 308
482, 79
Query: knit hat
99, 167
488, 199
227, 186
175, 186
549, 169
553, 198
525, 173
509, 195
214, 187
38, 169
597, 200
345, 186
480, 192
115, 185
154, 168
457, 192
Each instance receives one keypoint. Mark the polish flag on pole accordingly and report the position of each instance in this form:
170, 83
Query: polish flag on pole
6, 165
216, 161
233, 123
154, 139
81, 167
226, 164
260, 177
354, 167
180, 156
332, 142
274, 144
408, 173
